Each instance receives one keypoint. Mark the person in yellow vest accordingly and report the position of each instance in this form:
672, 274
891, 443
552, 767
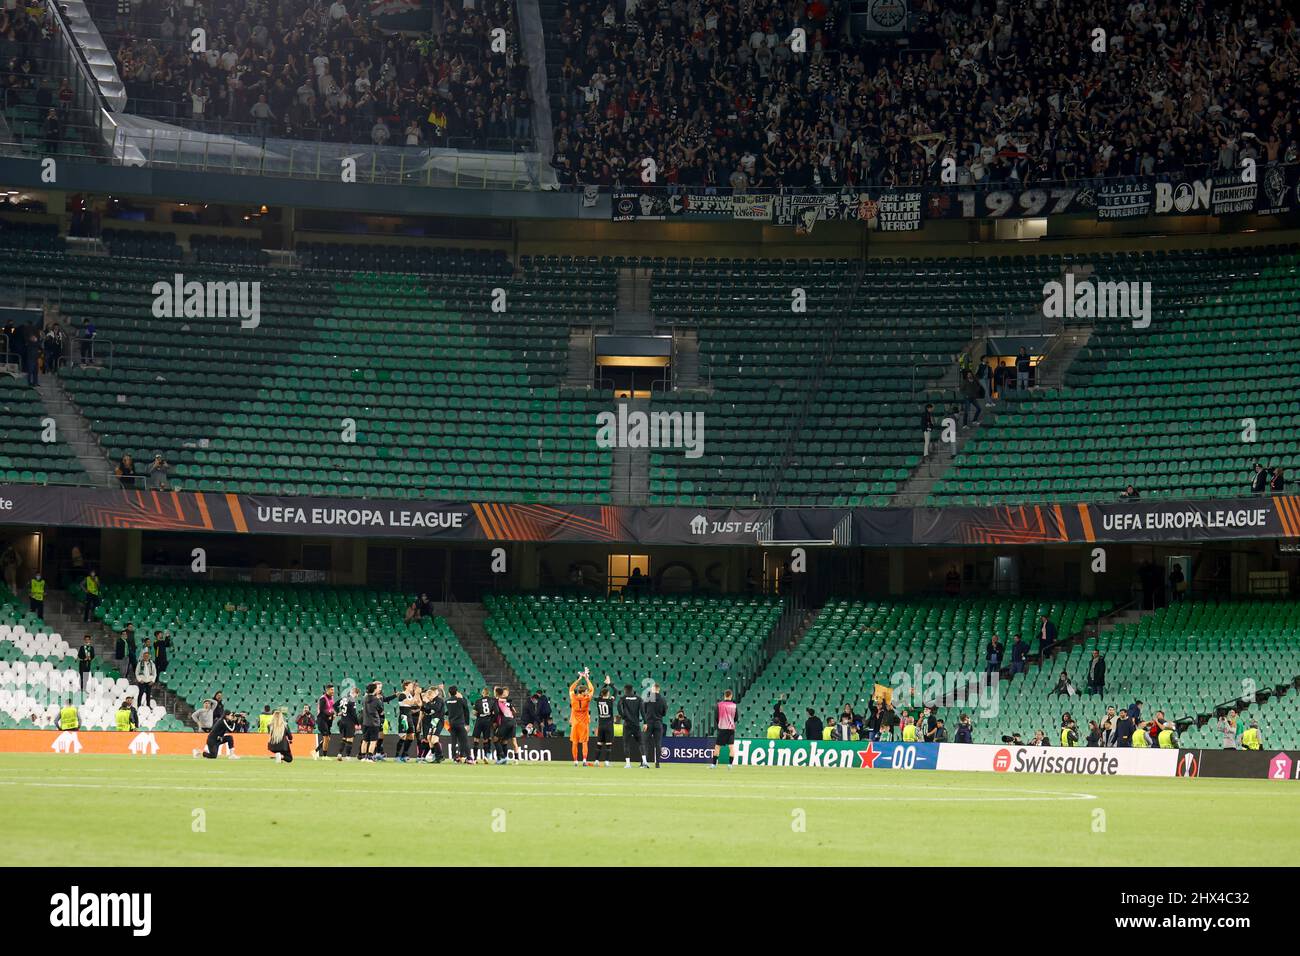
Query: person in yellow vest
127, 719
69, 719
774, 732
828, 730
1250, 740
1139, 737
36, 591
1069, 732
264, 720
1166, 738
909, 731
91, 584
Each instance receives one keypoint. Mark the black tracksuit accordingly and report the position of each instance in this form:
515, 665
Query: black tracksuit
458, 721
629, 708
653, 712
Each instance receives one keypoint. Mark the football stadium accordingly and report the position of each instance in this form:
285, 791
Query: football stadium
718, 432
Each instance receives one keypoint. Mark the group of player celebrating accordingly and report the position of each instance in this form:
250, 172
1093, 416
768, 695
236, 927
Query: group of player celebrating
642, 719
486, 732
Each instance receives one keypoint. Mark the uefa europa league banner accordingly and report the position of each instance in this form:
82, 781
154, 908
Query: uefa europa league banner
1137, 521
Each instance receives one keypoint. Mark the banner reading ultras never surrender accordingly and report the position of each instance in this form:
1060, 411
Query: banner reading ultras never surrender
1209, 520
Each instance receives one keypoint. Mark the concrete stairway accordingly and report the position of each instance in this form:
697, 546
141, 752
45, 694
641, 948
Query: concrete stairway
466, 620
581, 358
73, 430
629, 478
63, 616
686, 358
633, 316
927, 473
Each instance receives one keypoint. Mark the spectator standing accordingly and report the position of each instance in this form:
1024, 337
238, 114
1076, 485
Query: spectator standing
970, 391
36, 591
203, 716
993, 656
1023, 365
125, 472
162, 643
145, 675
158, 469
92, 588
1097, 673
1228, 727
85, 660
965, 733
813, 726
1046, 636
87, 339
927, 425
1277, 484
1259, 479
1019, 655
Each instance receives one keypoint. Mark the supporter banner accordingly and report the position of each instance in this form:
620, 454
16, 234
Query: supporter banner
1127, 521
686, 750
1124, 200
893, 210
836, 754
1279, 191
1186, 197
1230, 195
1066, 761
1001, 202
629, 205
886, 16
758, 208
144, 743
1240, 764
711, 204
394, 16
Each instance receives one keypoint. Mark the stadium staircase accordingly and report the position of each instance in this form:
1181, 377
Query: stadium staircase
633, 316
581, 357
466, 620
63, 615
74, 430
629, 476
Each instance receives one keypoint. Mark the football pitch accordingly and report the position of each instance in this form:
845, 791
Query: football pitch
132, 811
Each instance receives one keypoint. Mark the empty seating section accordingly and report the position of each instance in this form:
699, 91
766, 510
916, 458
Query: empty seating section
694, 647
1161, 407
450, 399
853, 645
24, 454
39, 674
280, 644
759, 356
906, 325
896, 332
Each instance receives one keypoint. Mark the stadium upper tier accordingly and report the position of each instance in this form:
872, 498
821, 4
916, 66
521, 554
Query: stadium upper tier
694, 647
279, 644
735, 96
458, 390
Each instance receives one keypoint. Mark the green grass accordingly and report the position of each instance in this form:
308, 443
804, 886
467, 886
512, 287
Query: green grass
119, 811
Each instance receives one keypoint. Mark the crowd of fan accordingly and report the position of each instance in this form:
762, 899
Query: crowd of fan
310, 69
1013, 91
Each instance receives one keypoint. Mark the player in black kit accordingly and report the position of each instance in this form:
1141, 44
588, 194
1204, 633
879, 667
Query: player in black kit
324, 723
605, 722
434, 707
408, 718
629, 708
485, 709
653, 710
458, 724
348, 720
